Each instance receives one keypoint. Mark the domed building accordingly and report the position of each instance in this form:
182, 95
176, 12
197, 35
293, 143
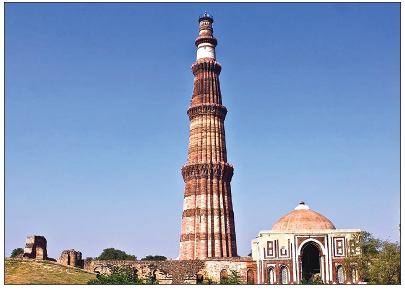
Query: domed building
302, 245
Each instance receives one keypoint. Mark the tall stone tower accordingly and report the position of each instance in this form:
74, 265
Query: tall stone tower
208, 227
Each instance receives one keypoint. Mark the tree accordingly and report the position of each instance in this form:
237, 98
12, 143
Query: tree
234, 278
386, 268
114, 254
120, 275
17, 252
154, 258
375, 260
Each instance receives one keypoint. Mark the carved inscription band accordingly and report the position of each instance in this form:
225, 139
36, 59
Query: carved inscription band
196, 193
206, 212
207, 109
204, 236
223, 171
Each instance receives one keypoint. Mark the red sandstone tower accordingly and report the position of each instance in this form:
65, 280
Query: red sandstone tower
208, 227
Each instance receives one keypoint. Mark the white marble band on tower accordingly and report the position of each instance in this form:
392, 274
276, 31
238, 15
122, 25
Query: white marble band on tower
205, 50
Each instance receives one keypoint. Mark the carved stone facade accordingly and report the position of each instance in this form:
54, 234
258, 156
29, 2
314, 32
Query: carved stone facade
71, 258
208, 227
302, 245
181, 272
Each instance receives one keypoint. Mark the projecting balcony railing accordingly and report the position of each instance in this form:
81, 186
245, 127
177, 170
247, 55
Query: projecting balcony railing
206, 15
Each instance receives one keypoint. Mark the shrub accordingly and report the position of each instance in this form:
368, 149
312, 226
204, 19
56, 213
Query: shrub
17, 252
120, 275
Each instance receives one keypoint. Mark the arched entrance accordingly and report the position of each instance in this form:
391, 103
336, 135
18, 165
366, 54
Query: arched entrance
223, 275
271, 277
200, 278
339, 274
310, 261
250, 277
97, 270
154, 275
39, 253
136, 273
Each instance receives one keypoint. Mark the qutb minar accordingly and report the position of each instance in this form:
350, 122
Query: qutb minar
208, 227
302, 247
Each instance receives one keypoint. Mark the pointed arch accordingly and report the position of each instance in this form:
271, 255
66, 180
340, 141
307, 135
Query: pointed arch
339, 274
316, 242
250, 277
271, 275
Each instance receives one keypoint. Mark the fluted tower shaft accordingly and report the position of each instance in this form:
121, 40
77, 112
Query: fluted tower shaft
208, 228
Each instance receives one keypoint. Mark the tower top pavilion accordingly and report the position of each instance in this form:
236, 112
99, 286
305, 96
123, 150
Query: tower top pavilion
205, 41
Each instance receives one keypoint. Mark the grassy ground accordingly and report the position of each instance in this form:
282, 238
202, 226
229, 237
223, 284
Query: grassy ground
42, 272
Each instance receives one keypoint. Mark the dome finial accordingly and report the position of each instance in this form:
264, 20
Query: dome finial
302, 205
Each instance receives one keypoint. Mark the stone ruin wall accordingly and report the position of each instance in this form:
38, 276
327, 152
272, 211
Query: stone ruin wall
167, 272
179, 272
35, 248
71, 258
213, 268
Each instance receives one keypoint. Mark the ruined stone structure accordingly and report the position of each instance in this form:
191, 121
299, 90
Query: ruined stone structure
208, 228
182, 272
71, 258
35, 248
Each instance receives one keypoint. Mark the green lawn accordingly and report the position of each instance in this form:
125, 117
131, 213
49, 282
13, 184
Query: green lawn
43, 272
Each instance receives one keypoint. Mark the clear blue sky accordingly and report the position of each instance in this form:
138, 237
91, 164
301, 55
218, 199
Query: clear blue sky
96, 129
